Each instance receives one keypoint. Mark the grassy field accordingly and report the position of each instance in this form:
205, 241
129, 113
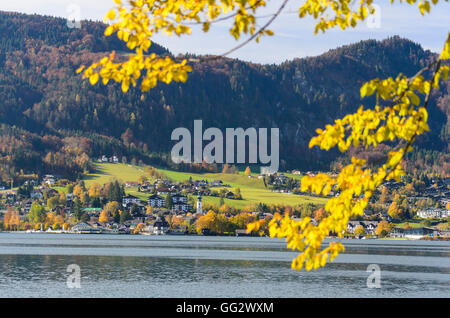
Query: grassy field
252, 189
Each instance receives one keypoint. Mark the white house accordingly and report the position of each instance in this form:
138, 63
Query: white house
433, 213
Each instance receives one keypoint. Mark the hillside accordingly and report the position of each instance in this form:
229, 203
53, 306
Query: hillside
252, 189
53, 121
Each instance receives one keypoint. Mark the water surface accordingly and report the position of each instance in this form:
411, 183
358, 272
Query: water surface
35, 265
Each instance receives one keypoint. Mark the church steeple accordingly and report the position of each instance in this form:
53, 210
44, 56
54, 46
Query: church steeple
199, 204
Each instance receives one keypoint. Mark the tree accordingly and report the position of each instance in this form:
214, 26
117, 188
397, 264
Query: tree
226, 168
69, 188
383, 228
206, 222
52, 202
125, 216
360, 230
320, 214
143, 179
78, 190
112, 209
237, 194
104, 217
169, 202
11, 219
443, 226
95, 190
37, 213
58, 222
399, 114
139, 228
77, 209
384, 195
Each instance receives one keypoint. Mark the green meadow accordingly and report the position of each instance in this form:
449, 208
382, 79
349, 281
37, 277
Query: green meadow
252, 188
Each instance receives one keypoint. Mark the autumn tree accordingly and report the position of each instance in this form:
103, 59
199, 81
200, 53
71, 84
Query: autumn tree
206, 222
399, 116
78, 190
11, 219
320, 214
104, 217
247, 171
58, 222
360, 230
383, 228
95, 190
140, 227
112, 208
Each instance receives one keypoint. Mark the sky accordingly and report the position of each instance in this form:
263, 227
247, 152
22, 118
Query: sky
294, 37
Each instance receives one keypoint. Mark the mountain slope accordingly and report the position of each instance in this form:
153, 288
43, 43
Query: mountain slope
58, 116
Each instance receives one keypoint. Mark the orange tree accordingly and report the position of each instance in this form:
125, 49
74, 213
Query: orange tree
399, 116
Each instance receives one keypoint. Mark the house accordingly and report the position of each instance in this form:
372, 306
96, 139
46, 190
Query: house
70, 197
10, 197
179, 198
156, 201
36, 195
51, 192
216, 183
137, 209
369, 226
433, 213
50, 182
159, 227
413, 233
280, 179
163, 191
130, 199
181, 207
84, 228
131, 184
229, 195
147, 187
92, 211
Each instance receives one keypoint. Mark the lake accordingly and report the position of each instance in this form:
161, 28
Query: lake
35, 265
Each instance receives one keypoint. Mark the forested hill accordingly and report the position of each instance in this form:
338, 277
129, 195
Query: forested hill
53, 121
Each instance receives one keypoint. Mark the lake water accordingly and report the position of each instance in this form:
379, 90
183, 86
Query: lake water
35, 265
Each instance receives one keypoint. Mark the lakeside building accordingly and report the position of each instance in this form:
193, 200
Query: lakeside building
433, 213
413, 233
159, 227
369, 226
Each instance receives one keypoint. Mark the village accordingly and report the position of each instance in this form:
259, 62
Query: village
54, 205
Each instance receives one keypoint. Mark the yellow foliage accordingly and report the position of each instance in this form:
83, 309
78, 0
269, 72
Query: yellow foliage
404, 120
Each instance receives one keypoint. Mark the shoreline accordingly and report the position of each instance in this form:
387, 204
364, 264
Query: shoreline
178, 234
